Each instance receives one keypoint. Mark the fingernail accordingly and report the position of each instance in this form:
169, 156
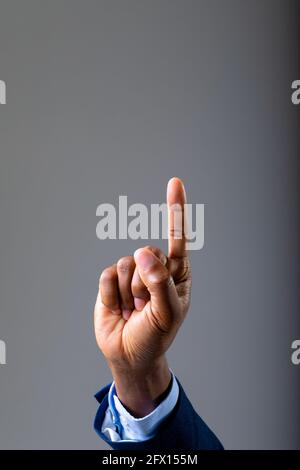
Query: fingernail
139, 303
144, 259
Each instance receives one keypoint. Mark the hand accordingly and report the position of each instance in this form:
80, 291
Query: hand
142, 301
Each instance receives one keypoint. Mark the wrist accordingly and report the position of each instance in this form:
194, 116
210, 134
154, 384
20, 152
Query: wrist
141, 390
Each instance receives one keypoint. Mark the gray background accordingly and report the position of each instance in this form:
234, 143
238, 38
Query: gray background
114, 97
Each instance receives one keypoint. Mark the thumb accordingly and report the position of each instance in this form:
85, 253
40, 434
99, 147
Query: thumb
156, 277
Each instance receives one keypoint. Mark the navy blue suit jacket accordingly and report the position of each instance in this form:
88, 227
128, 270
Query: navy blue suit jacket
182, 430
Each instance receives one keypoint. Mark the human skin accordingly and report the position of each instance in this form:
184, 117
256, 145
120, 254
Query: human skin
141, 303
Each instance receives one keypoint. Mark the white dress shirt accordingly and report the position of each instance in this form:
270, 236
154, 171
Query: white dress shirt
120, 425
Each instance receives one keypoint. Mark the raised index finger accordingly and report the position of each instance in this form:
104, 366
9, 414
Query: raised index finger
176, 200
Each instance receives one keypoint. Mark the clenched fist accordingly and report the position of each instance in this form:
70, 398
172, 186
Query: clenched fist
141, 303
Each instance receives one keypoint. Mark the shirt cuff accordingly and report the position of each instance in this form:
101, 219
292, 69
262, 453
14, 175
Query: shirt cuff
120, 425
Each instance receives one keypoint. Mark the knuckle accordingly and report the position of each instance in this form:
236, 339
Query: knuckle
124, 264
107, 275
180, 269
176, 233
185, 270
